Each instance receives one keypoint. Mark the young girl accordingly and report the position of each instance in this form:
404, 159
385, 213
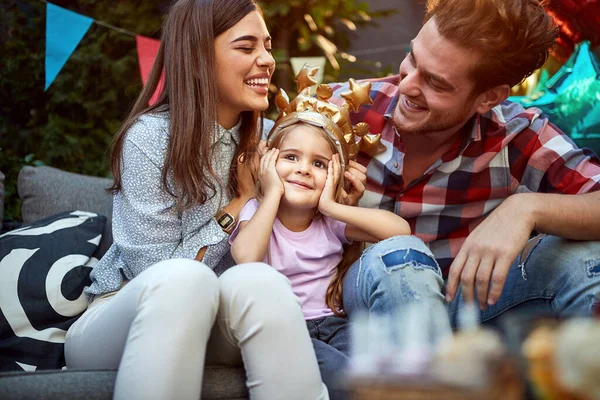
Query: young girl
300, 228
156, 297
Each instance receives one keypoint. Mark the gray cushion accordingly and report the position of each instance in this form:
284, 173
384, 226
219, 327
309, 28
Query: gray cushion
47, 191
219, 383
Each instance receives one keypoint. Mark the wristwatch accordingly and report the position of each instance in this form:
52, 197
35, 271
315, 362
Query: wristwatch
227, 222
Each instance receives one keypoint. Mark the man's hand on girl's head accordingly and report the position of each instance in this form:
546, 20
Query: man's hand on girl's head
334, 172
356, 174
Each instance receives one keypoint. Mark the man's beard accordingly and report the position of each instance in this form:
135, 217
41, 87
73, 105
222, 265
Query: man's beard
434, 123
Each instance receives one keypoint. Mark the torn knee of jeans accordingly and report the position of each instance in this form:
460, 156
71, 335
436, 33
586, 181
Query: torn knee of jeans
406, 291
415, 259
526, 253
593, 268
529, 247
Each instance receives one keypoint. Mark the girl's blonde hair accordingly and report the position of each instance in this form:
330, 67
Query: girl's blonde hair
333, 296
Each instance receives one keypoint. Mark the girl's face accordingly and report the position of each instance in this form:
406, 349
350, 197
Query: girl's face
244, 68
304, 155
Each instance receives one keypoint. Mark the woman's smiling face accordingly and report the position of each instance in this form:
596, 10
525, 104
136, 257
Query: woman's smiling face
244, 67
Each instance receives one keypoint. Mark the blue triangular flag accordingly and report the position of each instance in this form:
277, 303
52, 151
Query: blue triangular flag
64, 31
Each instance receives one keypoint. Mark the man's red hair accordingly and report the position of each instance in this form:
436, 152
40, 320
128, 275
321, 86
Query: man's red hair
514, 37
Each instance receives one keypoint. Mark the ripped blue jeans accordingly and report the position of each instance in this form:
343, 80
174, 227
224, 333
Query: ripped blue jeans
557, 276
393, 274
554, 277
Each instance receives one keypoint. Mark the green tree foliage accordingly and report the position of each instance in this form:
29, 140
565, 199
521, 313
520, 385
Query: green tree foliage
303, 28
71, 125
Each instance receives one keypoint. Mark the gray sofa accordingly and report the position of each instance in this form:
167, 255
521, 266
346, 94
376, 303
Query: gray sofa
46, 191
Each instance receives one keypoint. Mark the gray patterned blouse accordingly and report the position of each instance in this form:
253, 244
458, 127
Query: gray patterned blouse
146, 227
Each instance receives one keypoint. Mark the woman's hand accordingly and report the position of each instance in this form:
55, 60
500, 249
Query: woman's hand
269, 178
357, 176
245, 180
245, 167
334, 169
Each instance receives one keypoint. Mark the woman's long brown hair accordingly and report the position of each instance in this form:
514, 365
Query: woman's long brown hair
186, 60
334, 295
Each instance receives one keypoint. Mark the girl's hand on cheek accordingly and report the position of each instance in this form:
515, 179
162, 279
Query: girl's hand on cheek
333, 176
268, 176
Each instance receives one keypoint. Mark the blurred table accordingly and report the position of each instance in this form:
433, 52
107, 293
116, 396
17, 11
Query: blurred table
507, 384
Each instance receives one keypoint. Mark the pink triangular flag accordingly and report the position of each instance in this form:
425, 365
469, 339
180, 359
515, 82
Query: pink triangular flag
147, 48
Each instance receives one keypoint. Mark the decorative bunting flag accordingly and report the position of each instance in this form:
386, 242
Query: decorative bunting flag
64, 31
147, 49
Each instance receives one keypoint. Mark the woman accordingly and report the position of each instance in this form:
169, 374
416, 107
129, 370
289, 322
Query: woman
178, 189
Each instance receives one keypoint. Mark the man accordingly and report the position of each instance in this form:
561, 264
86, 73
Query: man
477, 176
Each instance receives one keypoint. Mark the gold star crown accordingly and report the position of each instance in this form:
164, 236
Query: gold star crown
333, 119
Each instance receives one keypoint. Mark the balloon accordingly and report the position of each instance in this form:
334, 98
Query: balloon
537, 80
528, 85
578, 20
571, 98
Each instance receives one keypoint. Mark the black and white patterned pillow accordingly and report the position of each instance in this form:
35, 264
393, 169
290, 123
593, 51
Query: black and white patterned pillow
44, 268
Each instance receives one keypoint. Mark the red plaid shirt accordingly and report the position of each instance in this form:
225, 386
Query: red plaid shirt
508, 150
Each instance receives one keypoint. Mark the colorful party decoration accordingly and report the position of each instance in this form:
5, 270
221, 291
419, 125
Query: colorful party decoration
577, 20
536, 82
147, 49
298, 62
571, 98
64, 31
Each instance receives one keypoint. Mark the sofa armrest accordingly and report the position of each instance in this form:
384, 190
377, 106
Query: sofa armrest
47, 191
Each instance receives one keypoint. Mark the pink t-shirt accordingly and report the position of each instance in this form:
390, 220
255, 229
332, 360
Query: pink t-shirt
309, 258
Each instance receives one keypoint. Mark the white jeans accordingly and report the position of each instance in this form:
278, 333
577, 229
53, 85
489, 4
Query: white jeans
155, 330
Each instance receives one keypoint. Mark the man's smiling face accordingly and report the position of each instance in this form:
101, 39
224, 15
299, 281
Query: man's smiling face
436, 89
